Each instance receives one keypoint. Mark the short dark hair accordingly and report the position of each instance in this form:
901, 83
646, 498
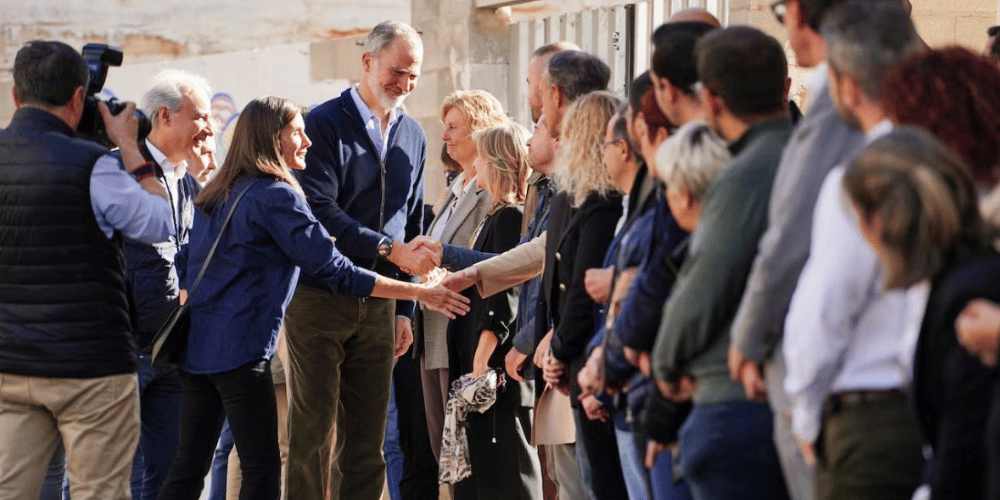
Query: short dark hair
995, 48
637, 89
744, 66
814, 10
673, 57
619, 131
48, 73
576, 73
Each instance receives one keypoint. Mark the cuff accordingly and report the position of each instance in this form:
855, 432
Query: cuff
806, 420
404, 309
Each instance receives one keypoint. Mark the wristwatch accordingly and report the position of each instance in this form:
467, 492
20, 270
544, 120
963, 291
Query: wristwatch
146, 170
385, 248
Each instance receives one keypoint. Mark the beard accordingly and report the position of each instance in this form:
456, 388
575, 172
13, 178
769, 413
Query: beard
384, 99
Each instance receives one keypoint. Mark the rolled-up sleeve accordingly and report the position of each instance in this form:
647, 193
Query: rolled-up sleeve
121, 204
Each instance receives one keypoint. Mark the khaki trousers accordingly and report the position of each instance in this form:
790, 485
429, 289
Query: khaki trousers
97, 420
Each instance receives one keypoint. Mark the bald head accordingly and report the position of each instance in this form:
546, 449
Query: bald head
695, 15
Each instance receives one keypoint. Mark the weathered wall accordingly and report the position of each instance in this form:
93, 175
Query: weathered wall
251, 46
308, 50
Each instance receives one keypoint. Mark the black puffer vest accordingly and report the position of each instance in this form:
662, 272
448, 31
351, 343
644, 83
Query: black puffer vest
64, 307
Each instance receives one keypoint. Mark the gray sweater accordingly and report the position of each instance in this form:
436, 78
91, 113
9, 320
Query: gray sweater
694, 332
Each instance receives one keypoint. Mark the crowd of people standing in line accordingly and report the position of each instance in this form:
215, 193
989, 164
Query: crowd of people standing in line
696, 292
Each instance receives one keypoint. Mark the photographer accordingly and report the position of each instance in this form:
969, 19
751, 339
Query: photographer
67, 349
178, 104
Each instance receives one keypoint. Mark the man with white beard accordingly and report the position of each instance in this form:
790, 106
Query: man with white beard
364, 183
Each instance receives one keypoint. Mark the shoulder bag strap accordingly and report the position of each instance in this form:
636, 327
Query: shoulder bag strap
211, 253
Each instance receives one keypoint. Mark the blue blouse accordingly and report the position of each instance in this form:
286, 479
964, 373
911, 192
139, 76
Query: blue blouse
237, 309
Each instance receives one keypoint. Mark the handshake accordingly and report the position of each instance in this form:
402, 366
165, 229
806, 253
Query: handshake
421, 255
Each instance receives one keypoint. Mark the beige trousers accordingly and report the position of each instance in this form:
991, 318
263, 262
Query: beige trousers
97, 420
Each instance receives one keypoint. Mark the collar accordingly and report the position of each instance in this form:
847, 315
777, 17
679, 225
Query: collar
817, 83
367, 114
757, 128
30, 116
458, 188
163, 162
880, 130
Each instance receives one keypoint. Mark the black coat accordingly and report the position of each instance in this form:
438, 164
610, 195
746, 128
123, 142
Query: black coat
952, 389
500, 232
578, 240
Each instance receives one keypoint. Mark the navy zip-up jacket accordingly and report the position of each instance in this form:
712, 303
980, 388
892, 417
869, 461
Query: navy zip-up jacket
356, 197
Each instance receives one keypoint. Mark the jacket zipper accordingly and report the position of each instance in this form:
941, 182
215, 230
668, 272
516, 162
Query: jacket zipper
381, 208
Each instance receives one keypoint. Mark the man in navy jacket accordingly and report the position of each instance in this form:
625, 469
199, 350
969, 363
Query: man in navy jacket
364, 183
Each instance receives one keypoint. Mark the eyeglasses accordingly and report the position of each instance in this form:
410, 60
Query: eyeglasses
779, 9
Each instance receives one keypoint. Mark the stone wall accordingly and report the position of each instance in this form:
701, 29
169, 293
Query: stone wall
209, 34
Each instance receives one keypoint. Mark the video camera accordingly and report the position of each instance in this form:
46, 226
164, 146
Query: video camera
99, 58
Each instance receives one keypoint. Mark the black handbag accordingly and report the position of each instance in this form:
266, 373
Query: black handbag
170, 341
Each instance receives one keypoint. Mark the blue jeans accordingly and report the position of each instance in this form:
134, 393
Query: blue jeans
391, 447
600, 468
220, 464
727, 452
661, 478
159, 411
633, 466
654, 484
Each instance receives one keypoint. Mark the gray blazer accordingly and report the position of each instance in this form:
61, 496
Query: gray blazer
821, 141
472, 208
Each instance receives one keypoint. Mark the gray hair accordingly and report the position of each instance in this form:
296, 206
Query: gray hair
691, 157
167, 91
576, 73
386, 32
866, 39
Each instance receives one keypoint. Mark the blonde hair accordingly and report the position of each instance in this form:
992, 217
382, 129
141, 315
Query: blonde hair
580, 168
479, 107
690, 158
504, 148
925, 200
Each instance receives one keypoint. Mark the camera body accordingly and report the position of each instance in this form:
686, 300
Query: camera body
99, 58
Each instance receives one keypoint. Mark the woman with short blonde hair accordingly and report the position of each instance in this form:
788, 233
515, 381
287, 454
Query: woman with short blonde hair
465, 205
504, 154
502, 458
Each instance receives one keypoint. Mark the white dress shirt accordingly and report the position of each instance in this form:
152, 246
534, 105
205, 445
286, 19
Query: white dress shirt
844, 331
458, 188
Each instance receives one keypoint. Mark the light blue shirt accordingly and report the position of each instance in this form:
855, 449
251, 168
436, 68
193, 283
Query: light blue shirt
373, 125
121, 204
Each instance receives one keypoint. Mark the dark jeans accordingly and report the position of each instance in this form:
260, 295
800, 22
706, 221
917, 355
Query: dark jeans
220, 464
159, 410
601, 449
727, 452
246, 396
869, 451
420, 471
